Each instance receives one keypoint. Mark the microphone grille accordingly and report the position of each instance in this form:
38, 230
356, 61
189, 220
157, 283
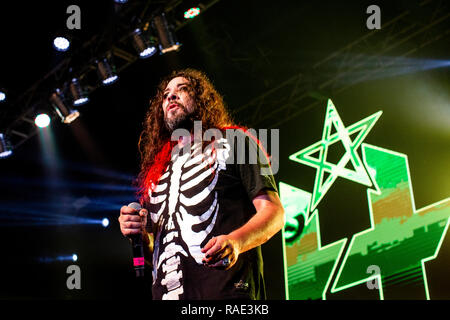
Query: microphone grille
135, 206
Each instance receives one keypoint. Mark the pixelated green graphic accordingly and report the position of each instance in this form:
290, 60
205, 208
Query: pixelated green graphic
342, 134
308, 264
401, 239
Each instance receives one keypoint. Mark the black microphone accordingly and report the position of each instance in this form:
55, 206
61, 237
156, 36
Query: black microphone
137, 245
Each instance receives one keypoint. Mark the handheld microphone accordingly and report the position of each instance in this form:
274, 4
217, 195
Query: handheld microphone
137, 245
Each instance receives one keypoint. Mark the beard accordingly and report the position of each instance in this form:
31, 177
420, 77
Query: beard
183, 120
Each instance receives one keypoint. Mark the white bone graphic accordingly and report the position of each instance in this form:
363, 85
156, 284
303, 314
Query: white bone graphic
172, 208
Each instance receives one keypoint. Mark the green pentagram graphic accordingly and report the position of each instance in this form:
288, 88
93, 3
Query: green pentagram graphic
343, 134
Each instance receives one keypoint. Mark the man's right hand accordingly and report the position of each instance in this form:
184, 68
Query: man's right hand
131, 221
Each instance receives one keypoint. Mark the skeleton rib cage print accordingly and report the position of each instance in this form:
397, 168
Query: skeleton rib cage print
183, 210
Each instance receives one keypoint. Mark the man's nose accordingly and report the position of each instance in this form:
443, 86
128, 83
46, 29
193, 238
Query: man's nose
172, 96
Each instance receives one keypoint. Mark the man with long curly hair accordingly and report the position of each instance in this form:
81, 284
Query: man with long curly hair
209, 214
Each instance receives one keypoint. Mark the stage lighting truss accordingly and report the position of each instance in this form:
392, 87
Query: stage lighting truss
144, 43
153, 26
166, 35
66, 114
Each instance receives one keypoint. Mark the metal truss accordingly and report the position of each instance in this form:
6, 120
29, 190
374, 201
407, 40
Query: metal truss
17, 121
356, 62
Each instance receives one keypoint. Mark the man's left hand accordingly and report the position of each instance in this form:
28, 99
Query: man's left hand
221, 252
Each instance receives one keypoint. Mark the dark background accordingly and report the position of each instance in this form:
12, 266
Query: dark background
247, 48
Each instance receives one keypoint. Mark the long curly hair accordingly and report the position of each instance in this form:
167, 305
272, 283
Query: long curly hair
155, 143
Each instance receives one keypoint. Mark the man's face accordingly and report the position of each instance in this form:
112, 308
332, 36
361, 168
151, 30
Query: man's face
177, 104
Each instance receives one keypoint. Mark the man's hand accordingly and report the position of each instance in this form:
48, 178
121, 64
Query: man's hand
131, 221
218, 250
268, 220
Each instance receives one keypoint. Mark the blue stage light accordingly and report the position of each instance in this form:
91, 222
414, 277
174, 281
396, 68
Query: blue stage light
147, 52
61, 43
72, 257
78, 94
106, 71
144, 43
105, 222
5, 151
110, 79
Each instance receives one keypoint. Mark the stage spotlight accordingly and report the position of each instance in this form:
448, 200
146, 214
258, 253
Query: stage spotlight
166, 36
42, 120
105, 222
106, 71
78, 95
121, 1
66, 114
64, 258
5, 151
144, 43
191, 13
2, 95
61, 43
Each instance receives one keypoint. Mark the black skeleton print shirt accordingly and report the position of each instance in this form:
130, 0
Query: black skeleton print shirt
203, 193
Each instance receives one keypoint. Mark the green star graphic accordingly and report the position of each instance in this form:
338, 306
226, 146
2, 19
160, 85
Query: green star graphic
343, 134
